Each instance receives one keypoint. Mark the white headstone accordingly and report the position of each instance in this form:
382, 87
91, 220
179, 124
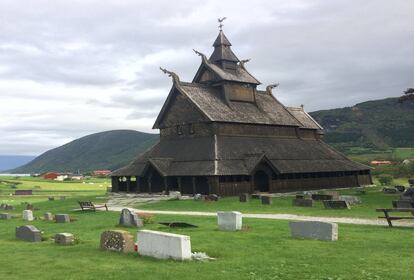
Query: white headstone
314, 230
229, 221
28, 215
162, 245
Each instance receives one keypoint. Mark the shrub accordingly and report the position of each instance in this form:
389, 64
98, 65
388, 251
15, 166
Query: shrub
385, 180
147, 218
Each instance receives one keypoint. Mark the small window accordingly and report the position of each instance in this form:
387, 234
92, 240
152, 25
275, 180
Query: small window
179, 130
191, 128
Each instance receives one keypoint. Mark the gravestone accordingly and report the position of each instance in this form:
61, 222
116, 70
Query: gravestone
333, 194
2, 206
174, 194
318, 196
198, 196
117, 240
408, 194
64, 238
336, 204
162, 245
314, 230
403, 204
256, 196
5, 216
29, 206
229, 221
48, 216
244, 197
389, 190
62, 218
28, 233
300, 196
9, 207
62, 197
130, 219
50, 198
399, 188
302, 202
266, 200
27, 215
350, 199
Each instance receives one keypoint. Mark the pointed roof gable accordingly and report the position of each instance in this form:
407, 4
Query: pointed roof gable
222, 50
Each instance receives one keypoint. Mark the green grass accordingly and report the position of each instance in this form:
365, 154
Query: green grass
263, 250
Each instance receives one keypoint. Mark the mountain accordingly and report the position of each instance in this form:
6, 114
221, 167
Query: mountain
104, 150
377, 124
12, 161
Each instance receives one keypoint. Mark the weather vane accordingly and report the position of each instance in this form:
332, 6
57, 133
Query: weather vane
220, 20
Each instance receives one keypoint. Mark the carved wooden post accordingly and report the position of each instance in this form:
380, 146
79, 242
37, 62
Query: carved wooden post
138, 184
194, 185
115, 184
128, 183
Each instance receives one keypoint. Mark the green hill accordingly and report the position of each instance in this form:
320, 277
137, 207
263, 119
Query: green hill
377, 124
104, 150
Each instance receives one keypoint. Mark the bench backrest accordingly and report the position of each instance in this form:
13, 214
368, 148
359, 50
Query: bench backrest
86, 203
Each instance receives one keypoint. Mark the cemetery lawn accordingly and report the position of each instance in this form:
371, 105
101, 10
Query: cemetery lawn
263, 250
373, 199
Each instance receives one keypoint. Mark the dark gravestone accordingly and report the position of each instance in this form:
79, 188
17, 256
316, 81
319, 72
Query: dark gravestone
399, 188
333, 194
130, 219
402, 204
266, 200
29, 207
244, 197
301, 202
389, 190
62, 218
23, 192
2, 206
5, 216
9, 207
28, 233
411, 182
256, 196
317, 196
408, 194
50, 198
300, 196
336, 204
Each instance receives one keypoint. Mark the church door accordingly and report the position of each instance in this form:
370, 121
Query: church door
261, 181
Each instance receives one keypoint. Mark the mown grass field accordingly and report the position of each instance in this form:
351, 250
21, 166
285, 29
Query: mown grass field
263, 250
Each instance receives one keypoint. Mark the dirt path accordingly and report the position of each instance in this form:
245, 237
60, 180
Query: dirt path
341, 220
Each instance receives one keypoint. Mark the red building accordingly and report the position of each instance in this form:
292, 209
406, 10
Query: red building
51, 175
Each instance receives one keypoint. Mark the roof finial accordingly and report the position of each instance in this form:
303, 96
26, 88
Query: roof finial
270, 87
175, 78
220, 20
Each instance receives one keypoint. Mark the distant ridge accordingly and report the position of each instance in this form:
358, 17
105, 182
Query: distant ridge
373, 124
12, 161
104, 150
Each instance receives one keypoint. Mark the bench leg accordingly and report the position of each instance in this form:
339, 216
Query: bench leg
388, 218
106, 207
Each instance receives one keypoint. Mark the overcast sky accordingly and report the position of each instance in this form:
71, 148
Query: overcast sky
71, 68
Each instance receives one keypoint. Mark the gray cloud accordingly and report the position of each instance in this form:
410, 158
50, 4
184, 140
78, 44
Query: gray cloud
76, 67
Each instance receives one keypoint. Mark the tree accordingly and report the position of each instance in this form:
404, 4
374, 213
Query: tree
385, 180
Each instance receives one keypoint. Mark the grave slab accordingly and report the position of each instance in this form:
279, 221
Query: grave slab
266, 200
336, 204
5, 216
62, 218
64, 238
48, 216
314, 230
244, 197
351, 199
28, 233
117, 240
27, 215
162, 245
302, 202
229, 221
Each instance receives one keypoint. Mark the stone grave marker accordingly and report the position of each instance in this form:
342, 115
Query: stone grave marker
5, 216
244, 197
48, 216
333, 194
399, 188
64, 238
255, 196
266, 200
350, 199
9, 207
162, 245
302, 202
27, 215
2, 206
229, 221
336, 204
314, 230
62, 197
29, 206
174, 194
317, 196
117, 240
28, 233
130, 219
50, 198
62, 218
389, 190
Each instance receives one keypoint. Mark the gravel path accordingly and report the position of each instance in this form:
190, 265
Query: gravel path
355, 221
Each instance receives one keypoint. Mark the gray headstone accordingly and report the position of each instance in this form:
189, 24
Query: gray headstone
130, 219
336, 204
350, 199
62, 218
64, 238
318, 196
314, 230
48, 216
27, 215
244, 197
5, 216
2, 206
198, 197
302, 202
267, 200
62, 197
174, 194
9, 207
28, 233
229, 221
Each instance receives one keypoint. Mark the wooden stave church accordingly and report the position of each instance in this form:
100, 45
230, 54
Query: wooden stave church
220, 134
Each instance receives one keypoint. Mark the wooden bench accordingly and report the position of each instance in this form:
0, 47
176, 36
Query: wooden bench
386, 212
86, 205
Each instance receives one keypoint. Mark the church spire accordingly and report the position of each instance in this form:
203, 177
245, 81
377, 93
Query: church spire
222, 54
